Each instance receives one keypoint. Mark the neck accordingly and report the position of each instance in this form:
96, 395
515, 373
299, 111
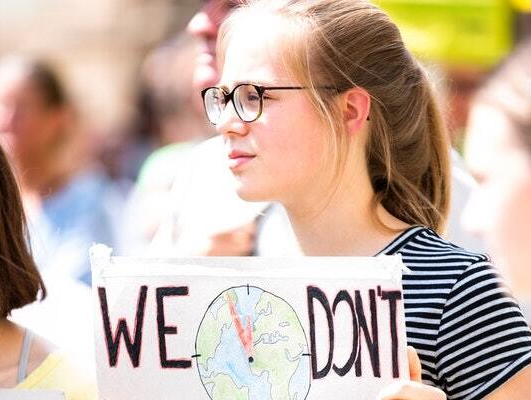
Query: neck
344, 229
7, 328
10, 341
344, 223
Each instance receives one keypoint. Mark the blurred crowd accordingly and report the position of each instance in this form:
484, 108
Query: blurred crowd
156, 186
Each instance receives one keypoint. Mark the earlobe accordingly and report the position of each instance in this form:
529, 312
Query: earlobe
357, 104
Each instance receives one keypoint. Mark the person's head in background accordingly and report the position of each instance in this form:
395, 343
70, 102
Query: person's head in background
204, 26
351, 64
166, 93
20, 281
498, 152
35, 121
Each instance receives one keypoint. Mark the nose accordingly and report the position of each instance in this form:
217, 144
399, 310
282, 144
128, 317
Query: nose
201, 25
230, 123
205, 23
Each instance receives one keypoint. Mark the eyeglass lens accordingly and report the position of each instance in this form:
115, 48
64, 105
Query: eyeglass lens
246, 100
214, 100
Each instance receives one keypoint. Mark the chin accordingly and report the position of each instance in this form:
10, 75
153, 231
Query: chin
250, 196
247, 193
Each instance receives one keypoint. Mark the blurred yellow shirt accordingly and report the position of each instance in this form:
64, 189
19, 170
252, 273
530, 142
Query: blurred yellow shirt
57, 372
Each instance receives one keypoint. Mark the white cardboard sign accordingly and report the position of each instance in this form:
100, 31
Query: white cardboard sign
247, 328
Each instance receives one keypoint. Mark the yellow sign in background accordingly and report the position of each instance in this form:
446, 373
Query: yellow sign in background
457, 32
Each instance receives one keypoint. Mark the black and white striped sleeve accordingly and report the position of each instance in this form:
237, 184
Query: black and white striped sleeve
483, 339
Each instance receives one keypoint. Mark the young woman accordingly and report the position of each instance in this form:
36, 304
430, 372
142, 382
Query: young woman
498, 152
323, 110
27, 361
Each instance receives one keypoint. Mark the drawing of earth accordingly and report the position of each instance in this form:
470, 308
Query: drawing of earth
250, 345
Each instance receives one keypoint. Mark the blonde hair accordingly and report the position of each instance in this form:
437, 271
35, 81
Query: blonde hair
351, 43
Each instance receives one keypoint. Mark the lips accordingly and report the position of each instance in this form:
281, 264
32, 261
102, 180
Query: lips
237, 159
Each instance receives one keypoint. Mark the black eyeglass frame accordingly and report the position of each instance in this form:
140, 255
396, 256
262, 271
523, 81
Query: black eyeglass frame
260, 90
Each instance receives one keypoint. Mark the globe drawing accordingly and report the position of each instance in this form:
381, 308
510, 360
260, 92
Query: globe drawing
251, 345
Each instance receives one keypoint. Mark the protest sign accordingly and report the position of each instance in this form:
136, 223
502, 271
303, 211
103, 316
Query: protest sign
247, 328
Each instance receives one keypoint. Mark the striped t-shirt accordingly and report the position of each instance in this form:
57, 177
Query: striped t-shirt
467, 329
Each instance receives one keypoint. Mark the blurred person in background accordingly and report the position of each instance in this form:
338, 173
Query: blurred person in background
207, 217
163, 111
498, 152
28, 361
68, 198
166, 114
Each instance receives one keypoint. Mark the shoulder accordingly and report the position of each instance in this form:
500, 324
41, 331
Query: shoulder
84, 190
443, 270
58, 371
461, 317
161, 165
422, 250
40, 350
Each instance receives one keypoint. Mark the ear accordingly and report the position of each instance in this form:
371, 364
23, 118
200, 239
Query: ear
356, 108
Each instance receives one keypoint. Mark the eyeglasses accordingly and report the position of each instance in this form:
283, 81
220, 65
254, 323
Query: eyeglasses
248, 100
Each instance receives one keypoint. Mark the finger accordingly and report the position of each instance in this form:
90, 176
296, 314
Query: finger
242, 236
402, 390
248, 228
233, 236
230, 244
228, 250
415, 368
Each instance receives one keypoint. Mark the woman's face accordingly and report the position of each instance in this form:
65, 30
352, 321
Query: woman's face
278, 157
500, 207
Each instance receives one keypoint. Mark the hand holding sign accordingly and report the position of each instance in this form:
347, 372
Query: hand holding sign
413, 389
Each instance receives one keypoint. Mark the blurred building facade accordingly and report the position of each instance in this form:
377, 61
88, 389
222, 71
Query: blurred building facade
97, 45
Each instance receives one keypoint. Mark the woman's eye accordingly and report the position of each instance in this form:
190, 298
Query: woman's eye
253, 97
